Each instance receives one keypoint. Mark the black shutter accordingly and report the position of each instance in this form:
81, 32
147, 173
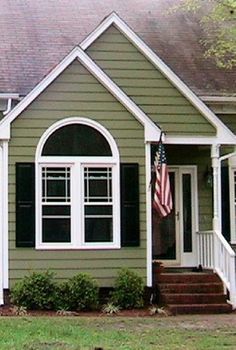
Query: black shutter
25, 205
129, 205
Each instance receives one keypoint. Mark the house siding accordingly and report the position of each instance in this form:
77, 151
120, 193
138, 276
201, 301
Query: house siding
121, 60
76, 93
229, 120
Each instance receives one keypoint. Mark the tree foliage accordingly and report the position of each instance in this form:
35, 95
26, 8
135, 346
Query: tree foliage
219, 25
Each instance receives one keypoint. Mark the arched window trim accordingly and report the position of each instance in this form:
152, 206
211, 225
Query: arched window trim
77, 165
77, 120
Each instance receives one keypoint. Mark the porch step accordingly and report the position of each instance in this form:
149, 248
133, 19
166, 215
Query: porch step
222, 308
194, 298
192, 292
186, 277
191, 288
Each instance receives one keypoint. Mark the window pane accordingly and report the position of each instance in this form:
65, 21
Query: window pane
187, 213
98, 230
56, 219
98, 210
98, 217
56, 184
76, 140
98, 184
56, 230
56, 210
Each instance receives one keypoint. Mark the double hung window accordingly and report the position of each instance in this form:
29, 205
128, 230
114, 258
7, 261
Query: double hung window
78, 189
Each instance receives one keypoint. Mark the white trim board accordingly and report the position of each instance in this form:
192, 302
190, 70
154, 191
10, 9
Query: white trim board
223, 132
152, 131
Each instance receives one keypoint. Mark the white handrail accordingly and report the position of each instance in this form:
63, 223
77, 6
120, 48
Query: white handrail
214, 252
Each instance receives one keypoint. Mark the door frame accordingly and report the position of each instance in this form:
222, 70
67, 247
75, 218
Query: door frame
189, 259
184, 259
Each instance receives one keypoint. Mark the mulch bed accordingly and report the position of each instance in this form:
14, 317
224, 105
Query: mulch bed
7, 310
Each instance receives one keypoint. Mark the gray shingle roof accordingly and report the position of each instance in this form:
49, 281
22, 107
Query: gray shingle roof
36, 35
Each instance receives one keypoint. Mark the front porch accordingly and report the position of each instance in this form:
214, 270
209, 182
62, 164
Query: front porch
194, 233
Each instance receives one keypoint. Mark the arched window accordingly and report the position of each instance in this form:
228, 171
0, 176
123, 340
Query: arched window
77, 187
77, 140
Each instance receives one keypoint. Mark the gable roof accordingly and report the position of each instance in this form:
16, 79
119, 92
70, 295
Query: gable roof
113, 19
152, 131
36, 35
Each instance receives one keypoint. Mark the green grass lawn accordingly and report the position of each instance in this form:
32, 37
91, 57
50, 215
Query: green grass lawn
117, 333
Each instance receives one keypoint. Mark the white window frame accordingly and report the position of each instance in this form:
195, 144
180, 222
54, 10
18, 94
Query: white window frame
77, 165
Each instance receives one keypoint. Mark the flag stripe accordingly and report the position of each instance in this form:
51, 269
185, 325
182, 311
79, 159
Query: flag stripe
162, 201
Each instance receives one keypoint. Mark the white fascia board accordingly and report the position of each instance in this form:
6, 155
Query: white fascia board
39, 88
222, 131
219, 99
77, 53
198, 140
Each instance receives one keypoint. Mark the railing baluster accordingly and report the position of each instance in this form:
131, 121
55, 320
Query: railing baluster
215, 252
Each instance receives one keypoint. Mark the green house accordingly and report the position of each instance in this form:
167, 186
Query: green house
76, 159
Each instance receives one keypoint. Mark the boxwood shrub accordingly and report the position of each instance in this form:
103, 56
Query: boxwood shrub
129, 289
80, 292
35, 292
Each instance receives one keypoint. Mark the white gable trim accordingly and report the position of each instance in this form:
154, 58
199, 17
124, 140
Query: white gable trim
152, 132
223, 133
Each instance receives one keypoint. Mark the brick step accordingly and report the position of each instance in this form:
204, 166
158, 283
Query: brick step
199, 308
174, 298
190, 288
187, 278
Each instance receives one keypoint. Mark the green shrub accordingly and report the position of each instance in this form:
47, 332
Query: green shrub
36, 291
78, 293
129, 289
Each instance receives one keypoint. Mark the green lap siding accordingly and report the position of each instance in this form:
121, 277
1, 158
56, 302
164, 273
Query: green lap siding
121, 60
229, 120
76, 93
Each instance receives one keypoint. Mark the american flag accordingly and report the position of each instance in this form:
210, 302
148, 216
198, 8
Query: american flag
162, 201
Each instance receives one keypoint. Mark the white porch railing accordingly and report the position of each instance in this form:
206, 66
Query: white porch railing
214, 252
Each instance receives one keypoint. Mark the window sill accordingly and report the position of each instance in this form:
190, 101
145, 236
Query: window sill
72, 247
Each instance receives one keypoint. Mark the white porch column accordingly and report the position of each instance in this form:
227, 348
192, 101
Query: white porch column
215, 155
148, 214
3, 217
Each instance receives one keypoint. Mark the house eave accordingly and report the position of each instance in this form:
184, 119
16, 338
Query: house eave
218, 99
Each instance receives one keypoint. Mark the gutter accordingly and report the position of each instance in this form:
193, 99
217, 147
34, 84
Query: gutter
218, 99
9, 97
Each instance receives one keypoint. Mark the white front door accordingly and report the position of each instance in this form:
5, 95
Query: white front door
174, 237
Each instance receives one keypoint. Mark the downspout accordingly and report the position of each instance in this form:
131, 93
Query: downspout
9, 103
